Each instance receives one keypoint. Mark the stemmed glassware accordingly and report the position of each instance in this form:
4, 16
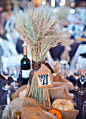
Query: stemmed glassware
63, 68
82, 79
15, 75
75, 73
55, 65
5, 72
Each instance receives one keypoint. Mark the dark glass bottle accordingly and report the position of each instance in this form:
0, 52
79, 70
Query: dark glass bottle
25, 67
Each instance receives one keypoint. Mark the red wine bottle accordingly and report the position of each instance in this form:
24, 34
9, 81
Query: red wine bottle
25, 67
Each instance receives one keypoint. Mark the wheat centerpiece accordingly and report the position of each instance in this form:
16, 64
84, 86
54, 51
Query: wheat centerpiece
40, 32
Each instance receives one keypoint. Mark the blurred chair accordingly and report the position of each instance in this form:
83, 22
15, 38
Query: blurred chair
14, 60
10, 33
77, 59
9, 48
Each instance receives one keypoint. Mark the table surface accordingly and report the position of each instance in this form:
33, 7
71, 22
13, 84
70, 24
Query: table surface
79, 99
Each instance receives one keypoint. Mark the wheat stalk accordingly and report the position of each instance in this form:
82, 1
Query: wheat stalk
40, 32
37, 29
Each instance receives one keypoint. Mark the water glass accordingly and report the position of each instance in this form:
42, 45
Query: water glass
5, 72
55, 65
76, 74
15, 74
82, 80
63, 68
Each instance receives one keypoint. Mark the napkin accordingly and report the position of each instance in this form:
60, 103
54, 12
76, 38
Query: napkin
58, 81
35, 113
59, 90
25, 104
30, 102
16, 93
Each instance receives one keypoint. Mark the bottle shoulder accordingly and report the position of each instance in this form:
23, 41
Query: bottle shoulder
25, 59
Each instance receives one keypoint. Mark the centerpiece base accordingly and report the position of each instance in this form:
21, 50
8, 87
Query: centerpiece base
29, 106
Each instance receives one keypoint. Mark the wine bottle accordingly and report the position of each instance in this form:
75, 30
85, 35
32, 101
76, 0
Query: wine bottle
25, 67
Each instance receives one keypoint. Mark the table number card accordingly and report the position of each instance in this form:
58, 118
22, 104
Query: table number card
43, 77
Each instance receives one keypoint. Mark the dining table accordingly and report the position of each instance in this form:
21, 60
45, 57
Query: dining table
78, 99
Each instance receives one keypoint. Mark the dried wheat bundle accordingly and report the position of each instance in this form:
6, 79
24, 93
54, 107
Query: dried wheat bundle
62, 14
38, 30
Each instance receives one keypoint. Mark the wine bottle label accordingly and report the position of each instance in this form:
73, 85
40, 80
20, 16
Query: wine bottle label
25, 73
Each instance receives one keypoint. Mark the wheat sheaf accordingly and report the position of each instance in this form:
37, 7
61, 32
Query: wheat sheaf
38, 30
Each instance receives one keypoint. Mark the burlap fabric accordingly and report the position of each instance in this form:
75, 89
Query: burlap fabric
32, 109
59, 90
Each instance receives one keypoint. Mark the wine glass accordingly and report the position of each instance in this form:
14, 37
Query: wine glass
82, 80
75, 73
55, 65
5, 72
63, 68
15, 74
